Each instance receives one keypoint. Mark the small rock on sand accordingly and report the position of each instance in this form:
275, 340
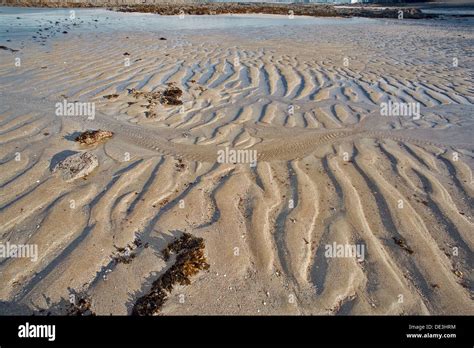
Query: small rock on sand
93, 136
77, 166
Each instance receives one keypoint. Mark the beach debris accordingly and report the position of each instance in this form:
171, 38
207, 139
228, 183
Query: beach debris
76, 166
126, 54
340, 301
163, 38
186, 242
170, 96
190, 259
92, 137
123, 255
81, 307
180, 165
402, 244
5, 48
111, 96
127, 253
150, 114
458, 273
200, 88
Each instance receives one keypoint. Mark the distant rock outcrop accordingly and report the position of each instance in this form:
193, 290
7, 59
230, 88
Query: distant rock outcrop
201, 7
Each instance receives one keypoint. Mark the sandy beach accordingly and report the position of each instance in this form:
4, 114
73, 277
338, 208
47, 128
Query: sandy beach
362, 132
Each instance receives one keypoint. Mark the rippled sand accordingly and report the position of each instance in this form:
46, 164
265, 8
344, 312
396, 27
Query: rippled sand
330, 169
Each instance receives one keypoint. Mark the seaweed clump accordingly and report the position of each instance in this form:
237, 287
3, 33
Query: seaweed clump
128, 253
170, 96
180, 165
402, 244
81, 307
190, 259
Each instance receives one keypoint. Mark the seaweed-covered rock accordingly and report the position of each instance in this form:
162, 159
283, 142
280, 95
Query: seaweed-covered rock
92, 137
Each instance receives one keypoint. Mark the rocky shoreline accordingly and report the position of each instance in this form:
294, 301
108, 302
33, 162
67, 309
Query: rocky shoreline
313, 10
197, 8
